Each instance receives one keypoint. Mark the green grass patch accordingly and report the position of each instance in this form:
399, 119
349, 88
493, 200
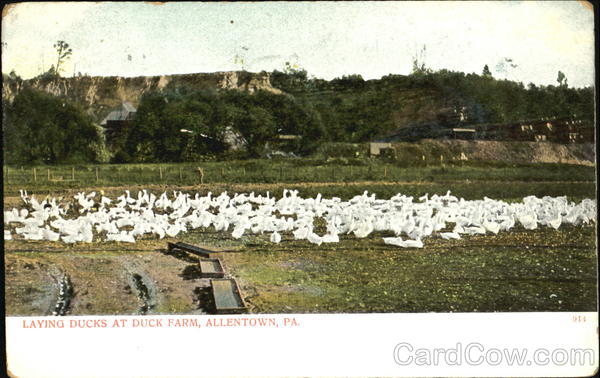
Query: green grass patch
290, 171
541, 270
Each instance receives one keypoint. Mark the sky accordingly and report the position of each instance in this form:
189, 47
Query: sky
527, 41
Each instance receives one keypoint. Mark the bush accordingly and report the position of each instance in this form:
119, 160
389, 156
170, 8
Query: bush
346, 150
41, 128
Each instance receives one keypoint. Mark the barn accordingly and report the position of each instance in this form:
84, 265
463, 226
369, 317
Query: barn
118, 121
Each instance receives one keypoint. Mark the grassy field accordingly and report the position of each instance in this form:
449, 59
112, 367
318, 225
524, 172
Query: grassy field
539, 270
289, 171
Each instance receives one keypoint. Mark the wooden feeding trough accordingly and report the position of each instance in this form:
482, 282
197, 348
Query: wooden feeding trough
227, 296
190, 248
211, 268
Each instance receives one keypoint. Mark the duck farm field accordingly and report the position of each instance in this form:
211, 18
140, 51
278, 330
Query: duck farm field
518, 238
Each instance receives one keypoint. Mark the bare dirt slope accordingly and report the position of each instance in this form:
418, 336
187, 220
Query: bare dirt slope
500, 151
101, 94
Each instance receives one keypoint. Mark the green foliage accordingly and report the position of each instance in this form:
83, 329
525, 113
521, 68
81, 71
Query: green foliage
13, 76
257, 126
349, 82
491, 100
353, 110
290, 81
43, 128
191, 125
419, 67
486, 71
63, 53
348, 151
562, 79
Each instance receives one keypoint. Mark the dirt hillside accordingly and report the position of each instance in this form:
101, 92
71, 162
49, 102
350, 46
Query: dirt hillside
510, 152
99, 95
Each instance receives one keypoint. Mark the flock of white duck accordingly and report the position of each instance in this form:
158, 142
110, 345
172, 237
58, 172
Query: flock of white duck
94, 217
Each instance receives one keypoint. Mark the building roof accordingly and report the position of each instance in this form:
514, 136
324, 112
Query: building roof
120, 114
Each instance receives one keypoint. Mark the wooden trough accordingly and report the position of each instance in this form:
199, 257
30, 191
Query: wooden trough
227, 296
190, 248
211, 268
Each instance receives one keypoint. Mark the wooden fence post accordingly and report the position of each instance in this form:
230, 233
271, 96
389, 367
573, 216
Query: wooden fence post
384, 172
160, 171
97, 176
34, 175
48, 174
201, 173
73, 173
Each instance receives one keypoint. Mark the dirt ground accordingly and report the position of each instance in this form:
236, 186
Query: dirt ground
111, 280
521, 152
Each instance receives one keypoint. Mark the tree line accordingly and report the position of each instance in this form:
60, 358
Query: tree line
187, 125
174, 126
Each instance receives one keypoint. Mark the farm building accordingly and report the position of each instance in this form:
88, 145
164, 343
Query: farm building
540, 130
376, 148
118, 120
462, 133
564, 130
283, 142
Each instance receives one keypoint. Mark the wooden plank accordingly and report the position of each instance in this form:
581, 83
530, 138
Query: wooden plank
190, 248
211, 268
227, 296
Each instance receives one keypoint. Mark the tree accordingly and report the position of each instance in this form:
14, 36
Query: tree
348, 82
257, 126
41, 128
562, 79
63, 52
293, 78
13, 76
176, 126
419, 66
486, 71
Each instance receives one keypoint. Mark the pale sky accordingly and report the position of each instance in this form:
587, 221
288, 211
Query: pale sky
328, 39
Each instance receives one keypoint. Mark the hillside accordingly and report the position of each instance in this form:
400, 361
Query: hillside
358, 110
352, 109
496, 151
187, 117
101, 94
